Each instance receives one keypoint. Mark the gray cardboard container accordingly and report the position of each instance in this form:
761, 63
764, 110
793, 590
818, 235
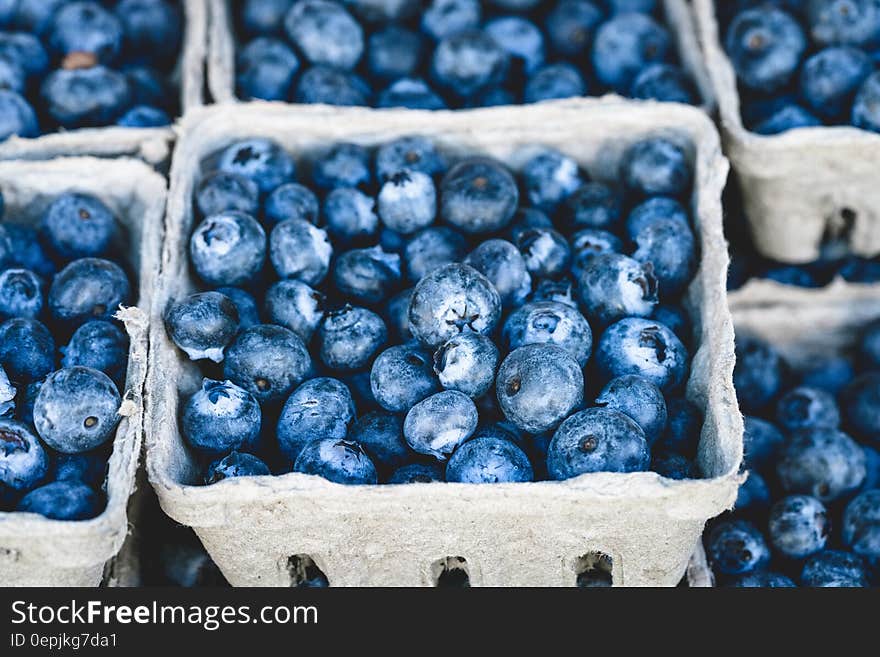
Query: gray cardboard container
539, 533
801, 186
153, 145
36, 551
222, 48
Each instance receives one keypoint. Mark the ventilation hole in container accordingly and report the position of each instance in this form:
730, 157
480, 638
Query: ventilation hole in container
838, 232
594, 570
304, 573
451, 572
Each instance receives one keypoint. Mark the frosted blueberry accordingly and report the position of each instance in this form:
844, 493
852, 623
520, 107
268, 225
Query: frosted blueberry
294, 305
228, 249
23, 461
467, 363
504, 266
318, 408
639, 399
202, 324
550, 322
338, 460
401, 377
437, 425
644, 347
221, 417
408, 201
488, 460
348, 338
268, 361
478, 195
300, 250
613, 286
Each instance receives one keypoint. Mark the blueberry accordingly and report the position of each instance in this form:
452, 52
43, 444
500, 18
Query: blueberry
402, 376
859, 270
872, 468
245, 304
830, 80
765, 46
469, 62
268, 361
236, 464
639, 399
343, 165
758, 373
89, 468
824, 463
261, 160
683, 427
861, 525
21, 248
524, 378
665, 83
27, 350
625, 45
202, 324
264, 16
503, 264
753, 494
669, 247
411, 93
866, 107
349, 338
152, 29
26, 50
626, 6
869, 345
265, 69
411, 153
787, 118
228, 249
100, 345
844, 22
17, 117
148, 86
644, 347
23, 461
76, 409
417, 473
763, 579
296, 306
78, 225
431, 249
614, 286
21, 294
144, 116
291, 201
330, 86
467, 363
350, 216
86, 27
407, 201
7, 395
597, 440
550, 177
444, 18
367, 275
554, 81
220, 417
571, 26
383, 11
762, 443
394, 52
12, 75
35, 15
318, 409
478, 195
62, 500
340, 461
798, 526
861, 405
325, 33
520, 38
381, 436
488, 460
88, 97
300, 250
550, 322
834, 569
656, 166
807, 408
656, 208
736, 547
452, 299
546, 252
588, 243
674, 466
676, 318
593, 205
221, 192
397, 315
437, 425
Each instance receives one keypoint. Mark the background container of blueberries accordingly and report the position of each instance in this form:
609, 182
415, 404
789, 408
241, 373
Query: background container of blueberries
636, 528
797, 87
127, 198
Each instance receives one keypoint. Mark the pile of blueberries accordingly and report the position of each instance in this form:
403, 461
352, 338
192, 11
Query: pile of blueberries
60, 283
407, 318
805, 63
455, 53
66, 65
811, 444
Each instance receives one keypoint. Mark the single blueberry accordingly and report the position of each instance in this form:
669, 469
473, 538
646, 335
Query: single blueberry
549, 322
834, 569
807, 408
381, 436
245, 304
331, 86
554, 81
644, 347
488, 460
148, 86
546, 252
844, 22
665, 83
89, 468
444, 18
674, 466
656, 166
88, 288
268, 361
669, 247
765, 46
683, 427
202, 324
866, 107
402, 376
831, 375
300, 250
265, 68
27, 350
824, 463
101, 345
412, 153
342, 165
861, 525
340, 461
503, 264
762, 442
478, 195
407, 201
264, 16
228, 249
17, 117
220, 417
152, 29
411, 93
467, 363
593, 205
261, 160
348, 338
860, 402
296, 306
830, 80
469, 62
625, 45
86, 27
318, 409
350, 216
291, 201
23, 460
639, 399
753, 494
798, 526
758, 373
614, 286
437, 425
236, 464
62, 500
80, 98
325, 33
417, 473
21, 294
736, 547
520, 38
432, 248
656, 208
394, 52
571, 25
550, 177
78, 226
221, 192
588, 243
27, 50
368, 276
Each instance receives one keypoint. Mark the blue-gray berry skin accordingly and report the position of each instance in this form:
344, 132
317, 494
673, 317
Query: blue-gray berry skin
452, 299
89, 468
88, 288
676, 318
561, 291
669, 248
866, 107
268, 361
236, 464
674, 466
765, 46
261, 160
407, 201
23, 249
546, 252
100, 345
78, 226
436, 426
402, 376
21, 294
7, 395
597, 440
300, 250
413, 153
736, 547
350, 337
368, 276
339, 461
325, 33
417, 473
504, 266
202, 324
265, 69
85, 27
665, 83
554, 81
762, 442
62, 500
830, 80
588, 243
644, 347
478, 195
807, 408
331, 86
291, 201
350, 216
245, 304
397, 315
549, 178
861, 525
221, 417
342, 165
432, 248
758, 373
639, 399
228, 249
861, 406
624, 46
381, 436
81, 98
656, 166
296, 306
468, 62
847, 22
834, 569
614, 286
318, 408
394, 52
523, 382
798, 526
488, 460
593, 205
549, 322
467, 363
763, 579
27, 350
824, 463
221, 191
23, 460
656, 208
446, 17
76, 409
